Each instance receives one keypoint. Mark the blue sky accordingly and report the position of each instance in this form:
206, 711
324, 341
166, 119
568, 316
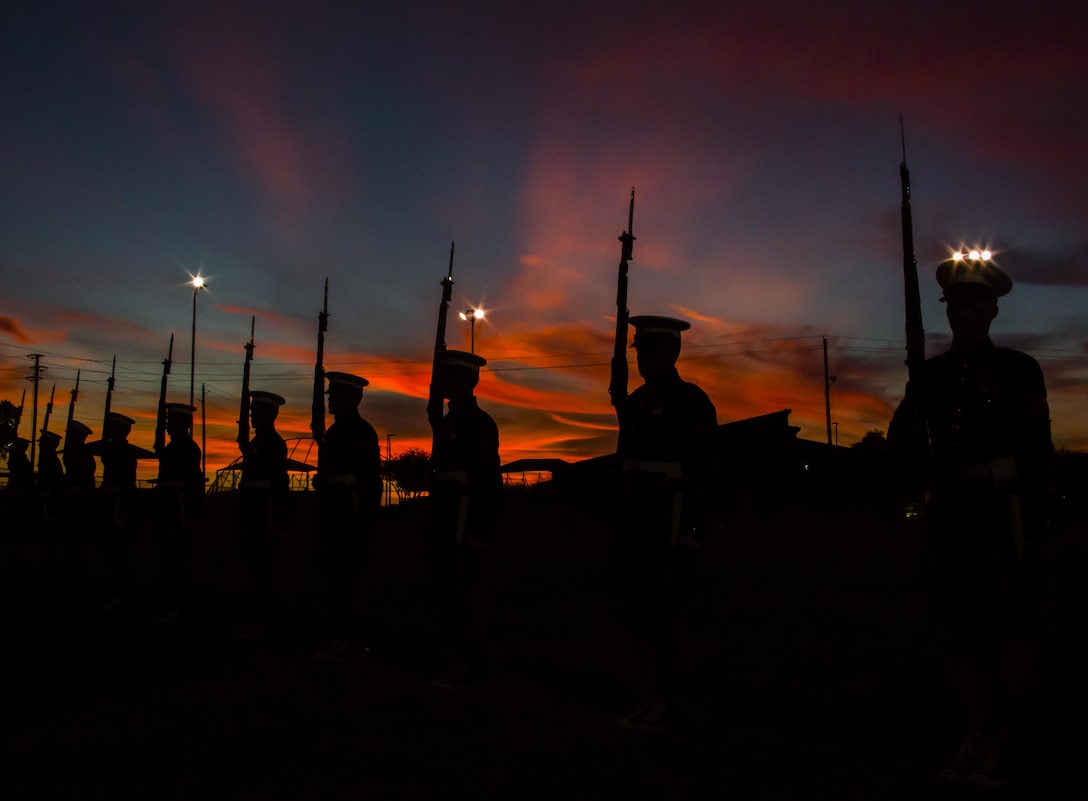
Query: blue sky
269, 146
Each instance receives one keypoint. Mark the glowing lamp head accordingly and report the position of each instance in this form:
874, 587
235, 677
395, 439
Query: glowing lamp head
975, 266
198, 282
974, 254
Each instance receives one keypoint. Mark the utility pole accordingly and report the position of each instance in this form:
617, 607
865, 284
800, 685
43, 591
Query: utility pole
828, 381
37, 377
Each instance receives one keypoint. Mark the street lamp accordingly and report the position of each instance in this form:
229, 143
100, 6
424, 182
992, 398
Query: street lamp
198, 284
836, 425
472, 315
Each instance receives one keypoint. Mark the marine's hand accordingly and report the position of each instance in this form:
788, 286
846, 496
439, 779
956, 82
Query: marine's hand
687, 542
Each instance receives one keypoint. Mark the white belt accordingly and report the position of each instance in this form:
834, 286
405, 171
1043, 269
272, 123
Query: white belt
1000, 473
674, 471
460, 476
1000, 470
349, 480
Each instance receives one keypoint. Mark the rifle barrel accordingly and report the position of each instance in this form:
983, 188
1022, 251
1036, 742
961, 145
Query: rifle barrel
243, 406
435, 402
317, 405
617, 387
915, 331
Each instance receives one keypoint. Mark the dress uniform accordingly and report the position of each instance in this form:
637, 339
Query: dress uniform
20, 470
263, 498
349, 487
50, 469
179, 495
985, 410
118, 511
79, 464
119, 461
79, 497
50, 501
18, 500
463, 504
664, 455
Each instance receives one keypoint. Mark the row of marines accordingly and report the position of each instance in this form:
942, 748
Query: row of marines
981, 410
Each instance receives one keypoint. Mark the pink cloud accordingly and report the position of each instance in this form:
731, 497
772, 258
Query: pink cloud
234, 65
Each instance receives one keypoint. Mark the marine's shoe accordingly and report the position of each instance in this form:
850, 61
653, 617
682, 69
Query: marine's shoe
650, 716
643, 705
340, 650
254, 631
987, 771
968, 755
456, 678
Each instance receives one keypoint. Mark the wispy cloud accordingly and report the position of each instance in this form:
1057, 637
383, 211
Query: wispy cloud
236, 63
1048, 268
10, 325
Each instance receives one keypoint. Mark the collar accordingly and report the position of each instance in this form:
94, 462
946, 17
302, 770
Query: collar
982, 346
667, 378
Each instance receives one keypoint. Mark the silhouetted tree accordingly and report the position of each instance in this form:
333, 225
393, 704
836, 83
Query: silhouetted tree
872, 442
408, 472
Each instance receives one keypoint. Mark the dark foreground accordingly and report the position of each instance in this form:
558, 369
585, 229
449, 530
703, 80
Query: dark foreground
807, 673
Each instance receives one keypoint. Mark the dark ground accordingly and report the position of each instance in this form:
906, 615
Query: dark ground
808, 673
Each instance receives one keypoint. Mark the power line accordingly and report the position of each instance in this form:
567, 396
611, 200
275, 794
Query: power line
133, 374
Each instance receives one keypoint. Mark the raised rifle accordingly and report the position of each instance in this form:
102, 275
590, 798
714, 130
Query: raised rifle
916, 337
19, 412
435, 401
918, 447
160, 417
49, 409
243, 407
617, 387
109, 396
317, 408
71, 410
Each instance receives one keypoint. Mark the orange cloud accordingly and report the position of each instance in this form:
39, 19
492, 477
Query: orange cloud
567, 421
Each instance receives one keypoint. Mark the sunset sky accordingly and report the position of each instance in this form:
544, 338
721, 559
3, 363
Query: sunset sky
267, 146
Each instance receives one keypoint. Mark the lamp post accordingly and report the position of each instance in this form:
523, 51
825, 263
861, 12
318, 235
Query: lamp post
836, 425
472, 315
388, 474
198, 284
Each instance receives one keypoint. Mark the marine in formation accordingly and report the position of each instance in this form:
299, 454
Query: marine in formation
349, 492
263, 510
975, 426
463, 506
179, 497
664, 457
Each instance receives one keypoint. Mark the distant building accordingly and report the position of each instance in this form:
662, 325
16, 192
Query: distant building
763, 464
